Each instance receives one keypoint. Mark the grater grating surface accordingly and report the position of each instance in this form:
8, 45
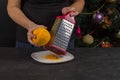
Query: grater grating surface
61, 34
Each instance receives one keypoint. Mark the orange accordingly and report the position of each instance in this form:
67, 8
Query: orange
42, 36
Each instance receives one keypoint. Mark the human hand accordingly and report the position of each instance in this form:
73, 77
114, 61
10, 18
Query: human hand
30, 34
72, 10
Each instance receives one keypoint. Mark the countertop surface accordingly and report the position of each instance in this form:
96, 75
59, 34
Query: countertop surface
89, 64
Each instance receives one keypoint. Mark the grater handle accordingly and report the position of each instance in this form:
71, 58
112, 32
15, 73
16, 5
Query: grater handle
68, 17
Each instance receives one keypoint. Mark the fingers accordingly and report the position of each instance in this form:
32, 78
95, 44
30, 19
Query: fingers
72, 11
65, 10
30, 36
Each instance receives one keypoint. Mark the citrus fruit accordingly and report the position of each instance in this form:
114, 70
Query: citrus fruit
42, 36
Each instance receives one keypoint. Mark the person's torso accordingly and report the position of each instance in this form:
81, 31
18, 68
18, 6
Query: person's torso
44, 1
42, 12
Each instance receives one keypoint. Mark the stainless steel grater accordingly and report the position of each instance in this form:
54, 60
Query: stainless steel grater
61, 34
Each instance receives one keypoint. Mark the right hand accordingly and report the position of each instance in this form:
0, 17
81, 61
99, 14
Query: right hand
30, 34
72, 10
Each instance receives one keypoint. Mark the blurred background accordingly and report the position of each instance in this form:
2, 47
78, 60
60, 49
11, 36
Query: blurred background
7, 27
97, 26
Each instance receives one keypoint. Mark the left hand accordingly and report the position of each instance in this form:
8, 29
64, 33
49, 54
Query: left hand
30, 34
72, 11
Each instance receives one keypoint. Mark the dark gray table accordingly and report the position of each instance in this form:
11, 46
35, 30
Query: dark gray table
89, 64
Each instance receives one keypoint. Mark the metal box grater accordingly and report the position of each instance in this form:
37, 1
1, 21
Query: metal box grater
60, 34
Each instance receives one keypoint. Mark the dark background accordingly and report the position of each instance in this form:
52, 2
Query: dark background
7, 27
